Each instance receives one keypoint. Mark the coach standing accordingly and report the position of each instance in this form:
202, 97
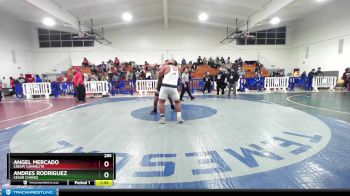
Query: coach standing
220, 82
78, 82
232, 80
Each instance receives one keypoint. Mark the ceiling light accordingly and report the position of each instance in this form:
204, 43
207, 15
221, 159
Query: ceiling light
127, 17
275, 21
49, 22
203, 17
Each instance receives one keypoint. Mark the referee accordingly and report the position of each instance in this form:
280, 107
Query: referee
185, 78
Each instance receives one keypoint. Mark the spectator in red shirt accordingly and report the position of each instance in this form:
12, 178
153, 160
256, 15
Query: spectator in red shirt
13, 85
85, 62
116, 62
78, 82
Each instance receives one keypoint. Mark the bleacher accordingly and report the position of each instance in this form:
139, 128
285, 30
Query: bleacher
249, 69
201, 70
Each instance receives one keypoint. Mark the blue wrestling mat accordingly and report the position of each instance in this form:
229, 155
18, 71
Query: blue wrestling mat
271, 141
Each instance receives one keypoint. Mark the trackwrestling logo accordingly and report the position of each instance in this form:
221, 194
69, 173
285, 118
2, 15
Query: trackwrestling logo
29, 192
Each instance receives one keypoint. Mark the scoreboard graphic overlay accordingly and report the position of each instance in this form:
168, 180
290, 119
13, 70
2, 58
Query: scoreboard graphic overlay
61, 169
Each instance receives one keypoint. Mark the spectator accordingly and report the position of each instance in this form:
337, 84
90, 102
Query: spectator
93, 77
346, 77
241, 72
38, 79
129, 76
116, 62
148, 75
217, 62
85, 62
142, 75
310, 77
228, 61
303, 79
199, 61
115, 81
211, 62
13, 85
239, 62
21, 79
258, 70
207, 79
319, 72
183, 62
4, 84
78, 83
103, 66
235, 66
205, 61
222, 61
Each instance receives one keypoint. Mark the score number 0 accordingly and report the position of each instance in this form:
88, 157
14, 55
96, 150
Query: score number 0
106, 164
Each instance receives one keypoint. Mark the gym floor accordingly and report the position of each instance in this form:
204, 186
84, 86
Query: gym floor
257, 141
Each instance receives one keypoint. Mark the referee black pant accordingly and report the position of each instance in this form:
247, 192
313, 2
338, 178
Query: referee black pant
187, 89
222, 86
81, 93
207, 86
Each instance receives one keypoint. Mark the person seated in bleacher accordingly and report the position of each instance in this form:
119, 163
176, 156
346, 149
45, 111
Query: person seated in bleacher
142, 75
38, 79
217, 62
103, 67
183, 62
194, 66
85, 62
205, 61
116, 62
258, 70
235, 66
148, 74
211, 62
228, 61
239, 62
222, 61
199, 61
93, 77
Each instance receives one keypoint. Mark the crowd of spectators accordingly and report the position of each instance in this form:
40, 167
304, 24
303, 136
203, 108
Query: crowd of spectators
116, 71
